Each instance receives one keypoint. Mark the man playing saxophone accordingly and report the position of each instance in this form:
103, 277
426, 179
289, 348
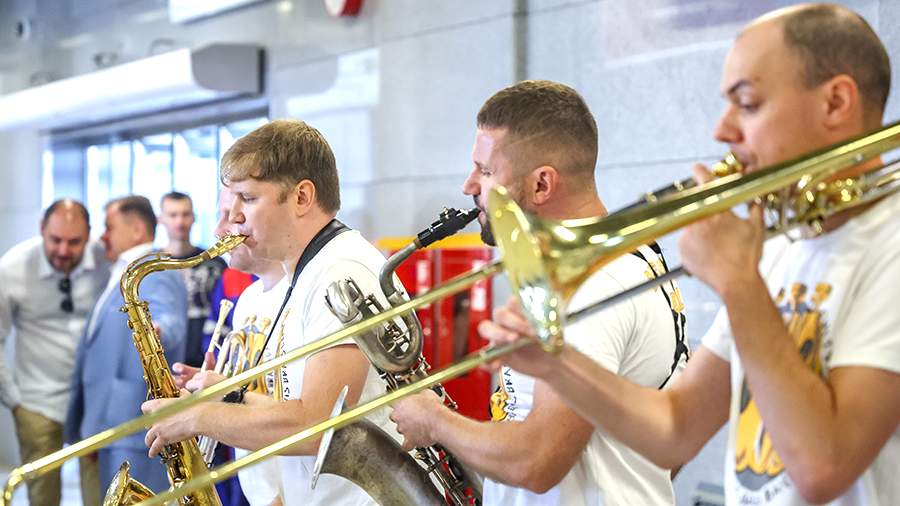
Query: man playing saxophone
539, 139
285, 182
809, 335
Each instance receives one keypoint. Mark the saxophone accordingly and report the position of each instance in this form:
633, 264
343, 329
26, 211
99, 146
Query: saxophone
362, 452
183, 460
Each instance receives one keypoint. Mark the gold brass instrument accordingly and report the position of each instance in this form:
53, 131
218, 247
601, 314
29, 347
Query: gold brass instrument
395, 350
239, 350
545, 262
182, 460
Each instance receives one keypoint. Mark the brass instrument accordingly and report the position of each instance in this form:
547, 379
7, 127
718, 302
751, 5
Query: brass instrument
395, 350
728, 165
239, 351
183, 460
545, 260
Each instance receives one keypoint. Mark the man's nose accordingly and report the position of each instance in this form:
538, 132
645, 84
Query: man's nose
471, 185
726, 129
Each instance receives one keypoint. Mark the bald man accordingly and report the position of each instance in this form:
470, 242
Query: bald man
48, 285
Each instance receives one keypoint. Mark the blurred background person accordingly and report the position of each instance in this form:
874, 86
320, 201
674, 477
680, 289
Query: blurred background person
177, 216
108, 384
48, 285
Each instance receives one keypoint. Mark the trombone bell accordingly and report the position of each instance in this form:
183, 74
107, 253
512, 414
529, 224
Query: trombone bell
546, 261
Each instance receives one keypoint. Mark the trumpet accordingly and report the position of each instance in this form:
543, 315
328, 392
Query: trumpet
545, 262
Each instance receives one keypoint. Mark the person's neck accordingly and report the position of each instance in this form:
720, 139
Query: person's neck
271, 276
312, 225
573, 207
179, 248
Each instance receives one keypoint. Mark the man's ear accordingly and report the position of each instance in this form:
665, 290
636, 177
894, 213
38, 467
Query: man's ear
303, 196
137, 228
841, 101
544, 183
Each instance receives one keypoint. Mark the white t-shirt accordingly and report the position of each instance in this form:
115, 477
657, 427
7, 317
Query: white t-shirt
635, 339
253, 315
346, 256
838, 295
46, 337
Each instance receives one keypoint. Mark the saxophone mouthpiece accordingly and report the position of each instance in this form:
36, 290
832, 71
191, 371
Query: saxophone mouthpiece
450, 222
224, 245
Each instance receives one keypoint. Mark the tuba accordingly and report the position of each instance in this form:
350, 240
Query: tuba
395, 350
182, 460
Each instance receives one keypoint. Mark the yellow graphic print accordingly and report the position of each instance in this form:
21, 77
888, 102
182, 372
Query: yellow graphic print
756, 461
498, 404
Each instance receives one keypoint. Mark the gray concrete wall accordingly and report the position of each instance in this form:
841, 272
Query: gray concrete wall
396, 90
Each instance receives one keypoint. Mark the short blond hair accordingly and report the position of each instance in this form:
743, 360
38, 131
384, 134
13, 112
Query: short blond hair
285, 151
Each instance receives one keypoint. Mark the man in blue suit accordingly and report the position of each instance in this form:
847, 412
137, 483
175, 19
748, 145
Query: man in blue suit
108, 384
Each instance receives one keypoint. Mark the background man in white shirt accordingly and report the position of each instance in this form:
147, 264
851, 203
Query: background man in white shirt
261, 483
48, 285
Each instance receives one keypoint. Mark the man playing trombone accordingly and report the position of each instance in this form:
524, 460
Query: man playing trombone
819, 425
539, 139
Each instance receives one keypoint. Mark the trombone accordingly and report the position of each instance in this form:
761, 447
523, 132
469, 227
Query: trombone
545, 261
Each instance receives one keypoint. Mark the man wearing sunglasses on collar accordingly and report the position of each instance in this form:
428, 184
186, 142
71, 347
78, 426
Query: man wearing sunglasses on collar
48, 285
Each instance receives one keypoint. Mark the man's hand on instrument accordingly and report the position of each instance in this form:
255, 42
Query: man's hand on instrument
203, 379
414, 416
173, 429
184, 373
723, 250
510, 325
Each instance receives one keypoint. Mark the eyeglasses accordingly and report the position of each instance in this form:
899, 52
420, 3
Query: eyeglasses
65, 286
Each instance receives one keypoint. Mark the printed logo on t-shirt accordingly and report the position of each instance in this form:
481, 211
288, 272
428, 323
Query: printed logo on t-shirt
502, 407
758, 468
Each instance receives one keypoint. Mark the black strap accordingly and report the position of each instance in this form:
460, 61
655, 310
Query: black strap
323, 237
679, 318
